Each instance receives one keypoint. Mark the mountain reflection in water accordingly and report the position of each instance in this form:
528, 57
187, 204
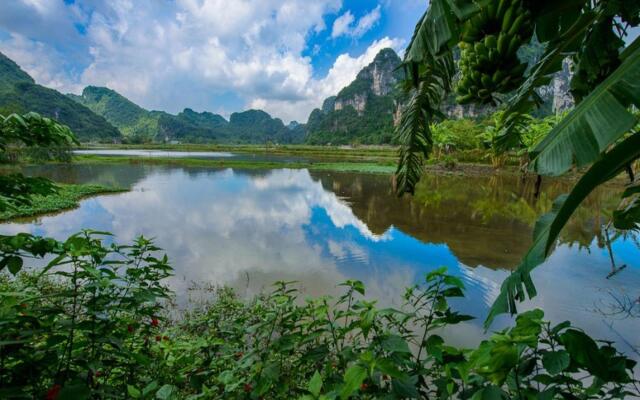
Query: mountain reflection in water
248, 229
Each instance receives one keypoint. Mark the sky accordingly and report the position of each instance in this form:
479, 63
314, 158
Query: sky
223, 56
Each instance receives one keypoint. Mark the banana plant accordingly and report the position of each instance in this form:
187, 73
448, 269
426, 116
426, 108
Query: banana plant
597, 134
589, 134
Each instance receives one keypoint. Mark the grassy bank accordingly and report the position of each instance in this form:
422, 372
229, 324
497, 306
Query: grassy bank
370, 153
66, 197
379, 154
346, 166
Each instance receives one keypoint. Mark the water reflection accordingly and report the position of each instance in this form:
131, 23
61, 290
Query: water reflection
249, 228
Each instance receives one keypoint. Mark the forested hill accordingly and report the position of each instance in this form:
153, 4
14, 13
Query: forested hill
140, 125
364, 110
367, 109
19, 93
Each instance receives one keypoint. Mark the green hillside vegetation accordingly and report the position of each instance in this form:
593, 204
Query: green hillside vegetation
19, 94
142, 126
374, 124
346, 126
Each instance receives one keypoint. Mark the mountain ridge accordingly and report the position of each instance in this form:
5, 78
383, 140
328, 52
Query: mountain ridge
367, 110
363, 111
19, 93
141, 125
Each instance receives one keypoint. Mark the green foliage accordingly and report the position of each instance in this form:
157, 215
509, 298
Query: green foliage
597, 122
88, 317
19, 94
549, 225
604, 85
28, 130
256, 126
129, 118
414, 132
61, 197
346, 126
31, 129
141, 126
461, 134
90, 325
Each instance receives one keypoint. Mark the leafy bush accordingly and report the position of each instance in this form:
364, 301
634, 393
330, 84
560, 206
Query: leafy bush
460, 134
82, 326
90, 325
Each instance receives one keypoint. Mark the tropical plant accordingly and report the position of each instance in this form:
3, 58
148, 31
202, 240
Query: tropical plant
599, 132
28, 130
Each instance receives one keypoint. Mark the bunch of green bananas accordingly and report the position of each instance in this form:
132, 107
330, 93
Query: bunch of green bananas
490, 41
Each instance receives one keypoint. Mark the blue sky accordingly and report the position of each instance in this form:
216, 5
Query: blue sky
284, 56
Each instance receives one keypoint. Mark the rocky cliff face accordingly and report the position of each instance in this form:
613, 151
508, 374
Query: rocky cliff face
368, 109
377, 79
364, 110
358, 102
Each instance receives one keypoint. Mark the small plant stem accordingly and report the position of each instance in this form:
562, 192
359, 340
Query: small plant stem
428, 323
69, 348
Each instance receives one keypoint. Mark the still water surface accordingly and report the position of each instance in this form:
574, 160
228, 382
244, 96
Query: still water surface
248, 229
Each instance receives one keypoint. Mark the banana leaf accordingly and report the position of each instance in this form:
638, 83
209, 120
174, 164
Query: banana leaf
439, 28
526, 98
627, 217
599, 120
518, 285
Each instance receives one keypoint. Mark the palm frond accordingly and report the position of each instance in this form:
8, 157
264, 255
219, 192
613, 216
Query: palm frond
413, 132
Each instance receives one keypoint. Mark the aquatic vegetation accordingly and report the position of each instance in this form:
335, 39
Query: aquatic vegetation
62, 197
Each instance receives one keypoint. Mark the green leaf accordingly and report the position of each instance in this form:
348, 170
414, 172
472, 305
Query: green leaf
413, 131
353, 378
74, 392
133, 392
315, 384
438, 28
490, 393
582, 349
149, 388
519, 284
627, 216
405, 388
395, 344
541, 74
597, 122
556, 361
166, 392
14, 263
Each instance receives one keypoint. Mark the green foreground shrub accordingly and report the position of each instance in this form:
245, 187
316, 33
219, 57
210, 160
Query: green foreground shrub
94, 323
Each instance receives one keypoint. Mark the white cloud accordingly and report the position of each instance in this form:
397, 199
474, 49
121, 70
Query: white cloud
367, 22
344, 71
345, 25
342, 25
187, 53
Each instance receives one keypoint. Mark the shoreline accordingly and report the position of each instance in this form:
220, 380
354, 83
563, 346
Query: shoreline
68, 197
